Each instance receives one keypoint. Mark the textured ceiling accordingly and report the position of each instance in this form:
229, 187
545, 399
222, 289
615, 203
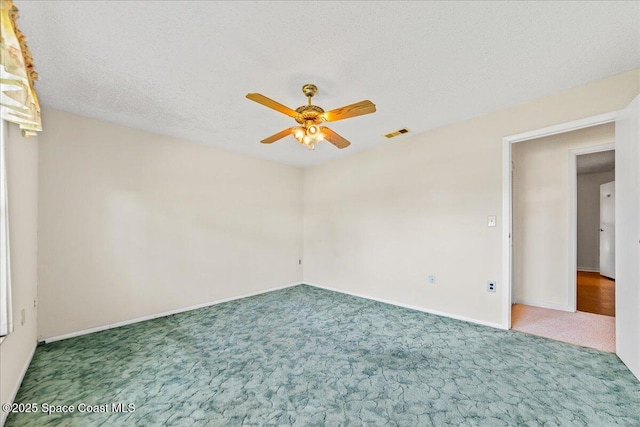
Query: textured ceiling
183, 68
603, 161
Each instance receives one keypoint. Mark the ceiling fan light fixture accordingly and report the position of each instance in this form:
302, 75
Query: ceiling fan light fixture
299, 133
312, 130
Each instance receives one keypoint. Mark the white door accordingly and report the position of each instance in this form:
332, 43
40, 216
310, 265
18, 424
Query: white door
628, 236
608, 229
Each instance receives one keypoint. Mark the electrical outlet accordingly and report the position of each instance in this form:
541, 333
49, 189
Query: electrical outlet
432, 280
34, 303
491, 286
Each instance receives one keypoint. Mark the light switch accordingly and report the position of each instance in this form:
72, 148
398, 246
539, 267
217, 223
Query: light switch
491, 221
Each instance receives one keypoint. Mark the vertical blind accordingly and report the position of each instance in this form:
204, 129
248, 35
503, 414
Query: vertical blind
6, 315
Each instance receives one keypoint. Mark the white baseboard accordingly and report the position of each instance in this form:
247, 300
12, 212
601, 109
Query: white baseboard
208, 304
588, 269
163, 314
411, 307
23, 372
540, 304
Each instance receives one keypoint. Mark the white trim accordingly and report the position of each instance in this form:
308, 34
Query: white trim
549, 305
411, 307
208, 304
563, 127
589, 270
507, 255
23, 372
163, 314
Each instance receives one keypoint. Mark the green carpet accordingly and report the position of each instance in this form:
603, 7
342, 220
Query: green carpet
307, 356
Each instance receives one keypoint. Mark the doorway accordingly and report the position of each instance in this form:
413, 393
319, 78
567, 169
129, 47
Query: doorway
627, 135
544, 236
596, 232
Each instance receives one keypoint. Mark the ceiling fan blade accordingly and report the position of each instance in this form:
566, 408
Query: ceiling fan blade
277, 136
334, 138
353, 110
268, 102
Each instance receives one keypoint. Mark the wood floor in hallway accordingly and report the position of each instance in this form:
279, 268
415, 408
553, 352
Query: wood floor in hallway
596, 294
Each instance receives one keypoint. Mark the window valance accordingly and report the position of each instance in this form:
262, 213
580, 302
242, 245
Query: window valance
18, 100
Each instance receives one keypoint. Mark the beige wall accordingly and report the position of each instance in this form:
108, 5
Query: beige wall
541, 215
22, 178
134, 224
589, 218
379, 222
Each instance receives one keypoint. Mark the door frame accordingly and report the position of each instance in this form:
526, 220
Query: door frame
573, 213
507, 203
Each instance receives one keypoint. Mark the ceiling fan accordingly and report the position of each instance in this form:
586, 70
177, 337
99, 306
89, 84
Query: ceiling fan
309, 117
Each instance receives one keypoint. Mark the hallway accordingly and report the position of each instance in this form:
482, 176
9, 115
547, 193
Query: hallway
583, 329
593, 325
596, 294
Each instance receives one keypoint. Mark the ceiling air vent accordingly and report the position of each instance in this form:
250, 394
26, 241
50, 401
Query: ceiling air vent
397, 133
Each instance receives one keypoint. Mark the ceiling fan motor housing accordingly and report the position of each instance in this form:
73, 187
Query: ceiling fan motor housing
309, 113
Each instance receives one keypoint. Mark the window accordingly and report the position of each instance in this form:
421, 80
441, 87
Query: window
6, 316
